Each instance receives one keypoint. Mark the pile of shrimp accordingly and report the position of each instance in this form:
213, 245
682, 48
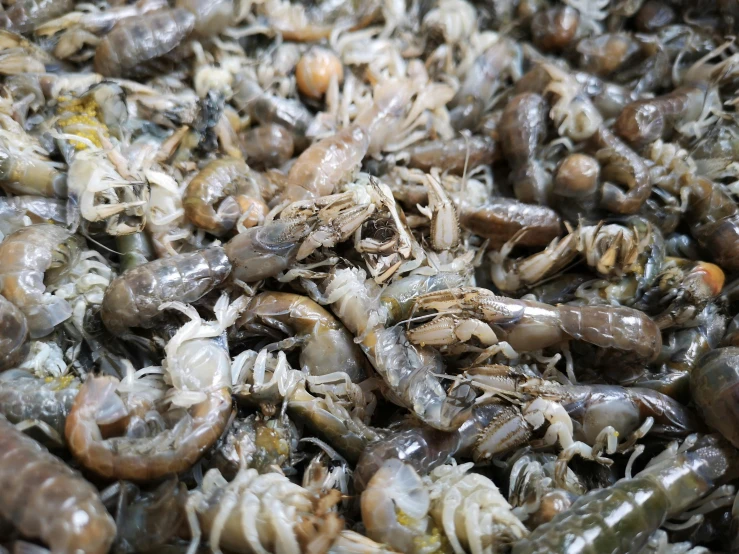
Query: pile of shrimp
390, 276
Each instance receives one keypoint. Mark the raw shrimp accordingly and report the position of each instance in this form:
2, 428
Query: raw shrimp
325, 344
220, 194
44, 498
13, 335
621, 518
28, 257
133, 299
138, 46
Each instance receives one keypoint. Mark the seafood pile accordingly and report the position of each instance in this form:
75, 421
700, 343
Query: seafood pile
415, 276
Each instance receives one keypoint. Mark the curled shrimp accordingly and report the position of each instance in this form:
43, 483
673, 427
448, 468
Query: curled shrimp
325, 344
220, 194
27, 256
132, 300
13, 335
44, 498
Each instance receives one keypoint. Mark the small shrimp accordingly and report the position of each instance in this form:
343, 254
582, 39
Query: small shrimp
25, 398
261, 513
315, 71
501, 218
453, 155
522, 130
13, 335
220, 194
137, 46
645, 121
268, 145
621, 518
44, 498
20, 211
527, 325
325, 344
211, 17
133, 299
140, 459
554, 29
28, 256
27, 14
577, 176
713, 383
25, 172
327, 164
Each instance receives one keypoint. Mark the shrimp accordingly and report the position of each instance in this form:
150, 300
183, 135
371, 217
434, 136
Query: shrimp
133, 299
621, 518
554, 29
452, 155
28, 256
25, 398
325, 344
410, 372
24, 171
220, 194
45, 499
713, 383
527, 325
138, 46
327, 164
13, 335
268, 145
261, 513
501, 218
645, 121
211, 17
522, 130
27, 14
21, 211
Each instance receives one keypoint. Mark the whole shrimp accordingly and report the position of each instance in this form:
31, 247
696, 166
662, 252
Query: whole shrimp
220, 194
198, 367
713, 385
133, 299
527, 325
136, 46
325, 344
28, 256
13, 335
45, 499
522, 129
621, 518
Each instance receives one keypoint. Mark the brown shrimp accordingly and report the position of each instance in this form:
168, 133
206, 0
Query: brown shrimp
25, 173
135, 46
325, 344
13, 335
522, 130
453, 155
173, 450
620, 163
45, 499
133, 299
220, 194
554, 29
644, 121
501, 218
327, 164
269, 145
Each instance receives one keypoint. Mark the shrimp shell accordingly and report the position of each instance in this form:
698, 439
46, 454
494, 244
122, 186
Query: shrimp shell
45, 498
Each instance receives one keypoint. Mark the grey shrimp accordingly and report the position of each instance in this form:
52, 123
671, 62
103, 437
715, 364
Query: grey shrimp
621, 518
133, 299
44, 498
